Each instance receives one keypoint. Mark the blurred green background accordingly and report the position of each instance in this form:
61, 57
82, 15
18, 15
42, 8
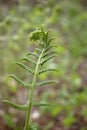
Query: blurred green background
68, 21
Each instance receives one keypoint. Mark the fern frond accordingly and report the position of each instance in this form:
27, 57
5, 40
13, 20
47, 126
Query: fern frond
41, 56
50, 47
33, 54
51, 39
27, 85
48, 53
37, 104
46, 82
45, 70
25, 67
37, 49
28, 59
16, 106
43, 32
47, 59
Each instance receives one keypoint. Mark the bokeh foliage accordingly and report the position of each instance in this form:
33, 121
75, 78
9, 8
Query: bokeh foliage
68, 21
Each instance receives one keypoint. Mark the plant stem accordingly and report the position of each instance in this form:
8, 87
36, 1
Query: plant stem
28, 114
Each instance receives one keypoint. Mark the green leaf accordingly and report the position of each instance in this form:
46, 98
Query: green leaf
28, 59
68, 121
25, 67
45, 70
43, 31
49, 47
32, 128
51, 39
8, 120
47, 59
48, 53
37, 49
27, 85
37, 104
46, 82
33, 54
16, 106
56, 110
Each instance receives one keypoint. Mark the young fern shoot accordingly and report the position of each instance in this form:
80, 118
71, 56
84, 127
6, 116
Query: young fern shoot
43, 54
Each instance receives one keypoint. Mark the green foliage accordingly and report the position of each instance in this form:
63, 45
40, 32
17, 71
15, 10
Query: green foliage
68, 121
44, 45
56, 110
27, 85
68, 20
8, 120
16, 106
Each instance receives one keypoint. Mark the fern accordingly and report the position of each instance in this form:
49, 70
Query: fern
46, 70
27, 85
43, 54
33, 54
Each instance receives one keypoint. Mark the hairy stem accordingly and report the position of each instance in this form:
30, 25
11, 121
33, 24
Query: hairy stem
31, 94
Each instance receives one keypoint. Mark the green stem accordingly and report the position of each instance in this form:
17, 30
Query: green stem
28, 115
